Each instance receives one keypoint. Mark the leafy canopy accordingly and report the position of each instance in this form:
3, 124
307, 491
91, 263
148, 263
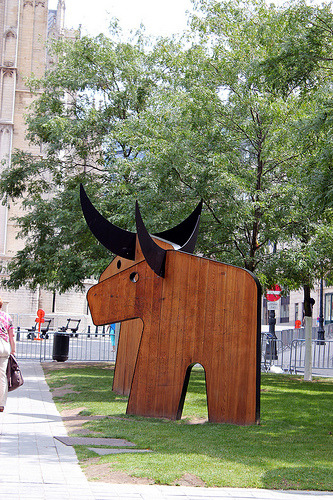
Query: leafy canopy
217, 115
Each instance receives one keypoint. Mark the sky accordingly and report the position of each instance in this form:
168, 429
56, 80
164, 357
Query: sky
159, 17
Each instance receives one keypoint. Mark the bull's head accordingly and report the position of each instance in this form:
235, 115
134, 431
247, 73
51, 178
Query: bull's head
132, 248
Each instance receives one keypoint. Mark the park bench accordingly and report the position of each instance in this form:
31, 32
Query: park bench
33, 331
73, 329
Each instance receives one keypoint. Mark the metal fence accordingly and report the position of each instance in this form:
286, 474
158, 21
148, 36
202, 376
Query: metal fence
100, 346
322, 355
273, 353
82, 347
289, 356
289, 334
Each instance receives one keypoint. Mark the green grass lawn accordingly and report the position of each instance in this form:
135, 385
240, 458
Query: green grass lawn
292, 448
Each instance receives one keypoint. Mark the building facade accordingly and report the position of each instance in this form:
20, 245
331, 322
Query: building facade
290, 308
25, 26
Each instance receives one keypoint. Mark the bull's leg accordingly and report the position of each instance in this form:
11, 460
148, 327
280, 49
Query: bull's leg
158, 389
127, 352
232, 393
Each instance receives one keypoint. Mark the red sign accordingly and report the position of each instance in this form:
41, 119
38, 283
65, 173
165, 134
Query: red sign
274, 293
40, 318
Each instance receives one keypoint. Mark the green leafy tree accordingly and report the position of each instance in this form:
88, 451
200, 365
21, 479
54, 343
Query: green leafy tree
300, 63
166, 124
227, 133
216, 129
301, 55
77, 118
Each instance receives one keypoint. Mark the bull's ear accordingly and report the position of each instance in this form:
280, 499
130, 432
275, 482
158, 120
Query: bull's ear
117, 240
154, 255
184, 234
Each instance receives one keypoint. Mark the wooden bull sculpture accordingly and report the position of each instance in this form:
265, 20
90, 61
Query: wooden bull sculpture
117, 240
194, 310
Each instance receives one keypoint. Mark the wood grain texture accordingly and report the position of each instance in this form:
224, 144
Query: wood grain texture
130, 331
202, 311
128, 346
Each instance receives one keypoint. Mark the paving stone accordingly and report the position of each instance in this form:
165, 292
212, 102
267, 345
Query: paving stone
84, 441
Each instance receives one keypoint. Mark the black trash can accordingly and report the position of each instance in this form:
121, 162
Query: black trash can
60, 346
271, 350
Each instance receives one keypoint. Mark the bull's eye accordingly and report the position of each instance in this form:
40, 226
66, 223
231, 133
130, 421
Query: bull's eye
134, 277
119, 264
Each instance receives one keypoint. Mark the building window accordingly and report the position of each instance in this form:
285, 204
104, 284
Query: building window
328, 308
284, 310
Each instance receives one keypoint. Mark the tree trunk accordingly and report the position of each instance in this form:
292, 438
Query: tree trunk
308, 334
307, 301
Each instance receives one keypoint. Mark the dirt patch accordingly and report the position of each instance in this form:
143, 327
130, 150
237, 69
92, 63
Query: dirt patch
74, 421
189, 480
75, 428
104, 473
195, 420
69, 413
56, 365
59, 392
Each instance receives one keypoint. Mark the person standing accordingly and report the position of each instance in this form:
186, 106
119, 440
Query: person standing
7, 347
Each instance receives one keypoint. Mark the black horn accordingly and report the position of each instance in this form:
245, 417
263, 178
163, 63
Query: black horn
183, 232
117, 240
189, 246
154, 254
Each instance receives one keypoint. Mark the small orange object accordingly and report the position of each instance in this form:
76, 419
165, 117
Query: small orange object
298, 323
39, 320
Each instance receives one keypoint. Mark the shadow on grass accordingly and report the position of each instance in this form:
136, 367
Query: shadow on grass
295, 478
296, 430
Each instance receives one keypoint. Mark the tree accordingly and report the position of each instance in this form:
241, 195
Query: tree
175, 122
247, 147
215, 128
301, 56
77, 117
301, 62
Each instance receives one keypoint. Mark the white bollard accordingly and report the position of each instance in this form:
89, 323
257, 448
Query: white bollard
308, 348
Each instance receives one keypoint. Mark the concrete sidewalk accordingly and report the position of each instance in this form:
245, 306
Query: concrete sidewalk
35, 465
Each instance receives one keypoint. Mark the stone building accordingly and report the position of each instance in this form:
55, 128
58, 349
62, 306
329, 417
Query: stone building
25, 26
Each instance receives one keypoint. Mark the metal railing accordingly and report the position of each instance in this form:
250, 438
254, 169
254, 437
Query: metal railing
82, 347
99, 346
322, 355
273, 353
